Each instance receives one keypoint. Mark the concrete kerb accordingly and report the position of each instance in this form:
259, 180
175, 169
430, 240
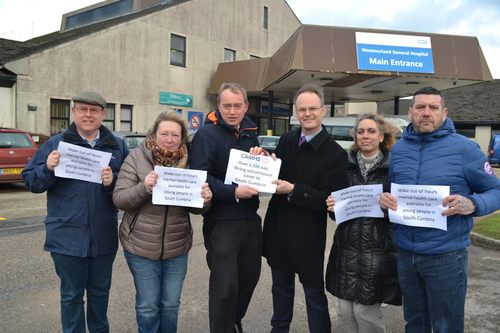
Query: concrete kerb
484, 241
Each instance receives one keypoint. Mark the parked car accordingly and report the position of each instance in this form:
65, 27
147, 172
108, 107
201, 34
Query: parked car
16, 149
269, 143
494, 150
132, 139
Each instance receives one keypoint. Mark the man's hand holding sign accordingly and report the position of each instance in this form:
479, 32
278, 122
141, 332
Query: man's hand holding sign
252, 172
424, 206
75, 162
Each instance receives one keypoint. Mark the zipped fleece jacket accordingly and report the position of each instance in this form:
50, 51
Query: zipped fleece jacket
81, 218
150, 231
211, 146
443, 157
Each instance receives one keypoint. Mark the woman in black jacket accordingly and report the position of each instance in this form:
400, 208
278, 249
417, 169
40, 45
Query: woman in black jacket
362, 268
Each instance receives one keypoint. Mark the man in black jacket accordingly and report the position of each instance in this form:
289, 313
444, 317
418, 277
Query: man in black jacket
231, 228
313, 165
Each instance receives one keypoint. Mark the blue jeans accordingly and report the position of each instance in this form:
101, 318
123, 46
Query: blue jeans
158, 285
77, 275
434, 289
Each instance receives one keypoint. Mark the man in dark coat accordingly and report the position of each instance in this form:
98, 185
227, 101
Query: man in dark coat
313, 165
81, 223
231, 228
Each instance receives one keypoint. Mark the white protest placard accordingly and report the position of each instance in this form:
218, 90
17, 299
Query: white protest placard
419, 205
179, 187
81, 163
257, 171
357, 201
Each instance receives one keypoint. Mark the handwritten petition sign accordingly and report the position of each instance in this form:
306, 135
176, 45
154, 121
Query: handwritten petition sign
179, 187
81, 163
357, 201
257, 171
419, 205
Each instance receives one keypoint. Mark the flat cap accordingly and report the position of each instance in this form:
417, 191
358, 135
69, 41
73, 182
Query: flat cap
90, 97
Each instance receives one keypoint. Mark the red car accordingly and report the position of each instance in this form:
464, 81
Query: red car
16, 149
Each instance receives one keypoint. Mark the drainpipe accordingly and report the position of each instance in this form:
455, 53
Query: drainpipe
270, 113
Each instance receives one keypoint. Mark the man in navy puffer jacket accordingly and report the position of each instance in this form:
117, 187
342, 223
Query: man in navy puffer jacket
433, 262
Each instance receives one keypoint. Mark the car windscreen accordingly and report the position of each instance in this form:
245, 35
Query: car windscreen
15, 140
269, 142
134, 141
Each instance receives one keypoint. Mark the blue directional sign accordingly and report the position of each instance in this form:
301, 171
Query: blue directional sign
395, 53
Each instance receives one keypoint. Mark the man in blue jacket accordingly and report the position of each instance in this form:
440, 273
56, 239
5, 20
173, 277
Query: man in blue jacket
81, 223
433, 262
231, 228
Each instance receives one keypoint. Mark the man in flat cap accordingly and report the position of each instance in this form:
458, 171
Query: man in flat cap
81, 222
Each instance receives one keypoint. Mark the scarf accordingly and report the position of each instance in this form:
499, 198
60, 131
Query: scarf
168, 158
362, 167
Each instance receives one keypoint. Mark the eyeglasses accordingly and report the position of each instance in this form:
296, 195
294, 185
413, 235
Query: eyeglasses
311, 109
85, 110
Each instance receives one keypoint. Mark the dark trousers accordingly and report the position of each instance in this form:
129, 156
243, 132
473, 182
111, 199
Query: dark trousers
283, 296
234, 250
78, 275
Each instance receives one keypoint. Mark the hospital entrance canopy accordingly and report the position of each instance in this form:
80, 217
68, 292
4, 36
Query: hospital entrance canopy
359, 65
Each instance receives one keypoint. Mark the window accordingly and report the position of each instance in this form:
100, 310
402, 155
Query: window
177, 50
254, 57
15, 140
126, 118
279, 126
229, 55
99, 14
342, 133
466, 130
266, 15
109, 118
495, 129
59, 116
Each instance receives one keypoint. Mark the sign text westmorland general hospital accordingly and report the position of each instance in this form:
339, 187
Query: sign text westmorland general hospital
400, 53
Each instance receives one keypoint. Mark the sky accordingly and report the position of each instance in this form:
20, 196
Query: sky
24, 19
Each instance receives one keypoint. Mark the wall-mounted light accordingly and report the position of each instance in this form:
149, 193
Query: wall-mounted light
344, 99
326, 80
376, 92
32, 107
412, 84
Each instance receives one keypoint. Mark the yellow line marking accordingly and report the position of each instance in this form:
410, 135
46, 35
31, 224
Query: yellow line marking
1, 218
22, 226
